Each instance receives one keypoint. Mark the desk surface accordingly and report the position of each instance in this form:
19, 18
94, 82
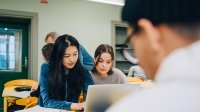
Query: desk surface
147, 84
7, 91
10, 91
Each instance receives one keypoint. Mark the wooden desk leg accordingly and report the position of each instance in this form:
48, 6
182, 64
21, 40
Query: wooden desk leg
5, 104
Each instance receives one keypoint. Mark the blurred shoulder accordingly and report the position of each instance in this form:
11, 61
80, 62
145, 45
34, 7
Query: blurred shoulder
117, 71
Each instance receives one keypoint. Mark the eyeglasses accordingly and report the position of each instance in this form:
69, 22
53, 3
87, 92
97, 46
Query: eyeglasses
135, 30
125, 52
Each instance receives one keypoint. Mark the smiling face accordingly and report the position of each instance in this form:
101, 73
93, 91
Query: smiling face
70, 57
104, 63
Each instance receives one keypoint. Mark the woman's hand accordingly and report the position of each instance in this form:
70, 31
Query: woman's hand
77, 106
34, 87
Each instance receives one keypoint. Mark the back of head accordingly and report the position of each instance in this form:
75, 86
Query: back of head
162, 11
166, 26
46, 51
51, 37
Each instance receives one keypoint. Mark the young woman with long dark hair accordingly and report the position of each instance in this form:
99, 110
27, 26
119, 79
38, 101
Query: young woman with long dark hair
63, 78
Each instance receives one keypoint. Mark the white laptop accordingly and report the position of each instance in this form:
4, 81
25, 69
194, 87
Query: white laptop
100, 97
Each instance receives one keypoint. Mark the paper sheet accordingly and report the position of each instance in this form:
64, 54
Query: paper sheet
22, 94
41, 109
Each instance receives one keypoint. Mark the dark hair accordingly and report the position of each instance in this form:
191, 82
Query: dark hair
103, 48
46, 50
162, 11
53, 35
58, 78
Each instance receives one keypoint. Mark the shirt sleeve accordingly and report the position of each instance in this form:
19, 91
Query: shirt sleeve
86, 59
47, 101
122, 79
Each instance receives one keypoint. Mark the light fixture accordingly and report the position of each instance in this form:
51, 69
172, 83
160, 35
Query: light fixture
114, 2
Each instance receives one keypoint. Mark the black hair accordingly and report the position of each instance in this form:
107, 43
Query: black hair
182, 15
46, 51
58, 78
103, 48
162, 11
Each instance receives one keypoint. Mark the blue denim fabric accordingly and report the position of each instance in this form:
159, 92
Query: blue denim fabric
85, 58
44, 99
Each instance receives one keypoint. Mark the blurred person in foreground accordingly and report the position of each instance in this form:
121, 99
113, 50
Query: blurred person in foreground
165, 35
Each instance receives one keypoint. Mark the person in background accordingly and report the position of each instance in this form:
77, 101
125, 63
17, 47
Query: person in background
63, 78
166, 38
103, 71
51, 37
84, 56
46, 52
137, 71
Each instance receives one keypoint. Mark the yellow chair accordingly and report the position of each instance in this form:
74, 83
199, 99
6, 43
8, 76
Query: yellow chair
135, 80
20, 82
81, 98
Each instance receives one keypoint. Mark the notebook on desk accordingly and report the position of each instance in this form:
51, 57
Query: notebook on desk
100, 97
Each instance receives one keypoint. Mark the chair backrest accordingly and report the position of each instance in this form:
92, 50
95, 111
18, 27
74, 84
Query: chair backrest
135, 80
20, 82
81, 98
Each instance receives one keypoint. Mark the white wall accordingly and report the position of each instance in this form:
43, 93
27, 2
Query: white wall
90, 22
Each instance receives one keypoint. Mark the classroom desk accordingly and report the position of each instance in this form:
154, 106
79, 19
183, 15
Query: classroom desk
9, 90
143, 84
7, 96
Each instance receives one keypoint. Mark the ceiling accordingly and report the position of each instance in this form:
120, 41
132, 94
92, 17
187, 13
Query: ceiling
114, 2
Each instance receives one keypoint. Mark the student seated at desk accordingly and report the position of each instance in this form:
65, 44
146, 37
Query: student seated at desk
137, 71
103, 71
46, 52
63, 78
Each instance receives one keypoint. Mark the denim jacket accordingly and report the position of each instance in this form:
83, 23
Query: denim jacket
44, 99
85, 58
